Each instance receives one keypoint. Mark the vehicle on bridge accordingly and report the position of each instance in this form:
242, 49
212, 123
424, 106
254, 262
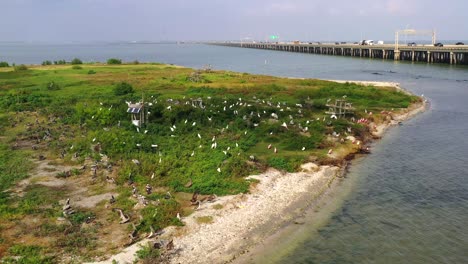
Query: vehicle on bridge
412, 44
459, 43
367, 42
438, 44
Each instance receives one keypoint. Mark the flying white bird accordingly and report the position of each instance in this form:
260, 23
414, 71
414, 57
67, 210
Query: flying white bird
199, 136
194, 123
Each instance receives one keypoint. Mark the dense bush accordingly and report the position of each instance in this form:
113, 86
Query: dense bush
114, 61
4, 64
77, 67
76, 61
21, 67
60, 62
123, 88
91, 72
46, 62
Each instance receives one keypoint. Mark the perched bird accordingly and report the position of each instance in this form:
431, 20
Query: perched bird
284, 125
269, 146
124, 218
275, 150
152, 233
303, 148
67, 205
330, 151
219, 169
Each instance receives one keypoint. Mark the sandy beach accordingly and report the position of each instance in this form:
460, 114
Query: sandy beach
223, 231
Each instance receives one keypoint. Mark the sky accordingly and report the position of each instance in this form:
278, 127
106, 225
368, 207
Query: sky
203, 20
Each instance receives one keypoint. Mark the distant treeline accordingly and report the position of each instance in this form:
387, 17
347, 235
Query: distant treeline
75, 61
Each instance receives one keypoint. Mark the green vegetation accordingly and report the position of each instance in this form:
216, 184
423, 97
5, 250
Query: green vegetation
47, 62
75, 117
60, 62
123, 88
76, 61
21, 67
4, 64
24, 254
114, 61
148, 254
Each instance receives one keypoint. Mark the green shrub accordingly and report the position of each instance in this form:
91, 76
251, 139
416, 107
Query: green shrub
21, 67
4, 64
123, 88
114, 61
60, 62
136, 62
46, 62
76, 61
148, 254
52, 86
77, 67
280, 163
91, 72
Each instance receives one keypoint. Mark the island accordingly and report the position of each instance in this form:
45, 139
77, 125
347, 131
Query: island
122, 162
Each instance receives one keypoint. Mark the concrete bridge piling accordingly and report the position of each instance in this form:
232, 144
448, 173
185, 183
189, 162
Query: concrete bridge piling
449, 54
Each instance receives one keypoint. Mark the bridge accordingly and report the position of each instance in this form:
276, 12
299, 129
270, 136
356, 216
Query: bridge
449, 54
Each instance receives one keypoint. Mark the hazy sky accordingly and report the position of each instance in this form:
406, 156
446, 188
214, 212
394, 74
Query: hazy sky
113, 20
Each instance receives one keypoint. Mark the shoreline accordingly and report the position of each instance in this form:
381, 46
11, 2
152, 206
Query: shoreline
236, 227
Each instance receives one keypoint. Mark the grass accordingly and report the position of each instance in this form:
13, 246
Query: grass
77, 108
